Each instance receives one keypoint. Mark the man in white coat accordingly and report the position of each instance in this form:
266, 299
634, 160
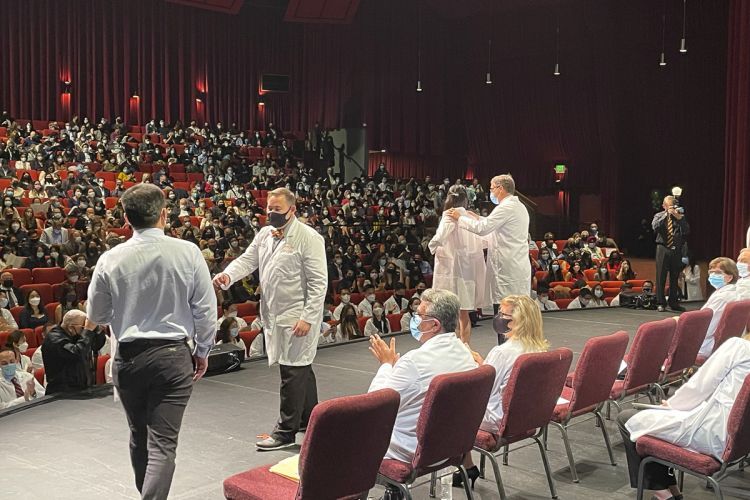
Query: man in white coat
16, 386
722, 275
743, 284
509, 267
293, 274
433, 326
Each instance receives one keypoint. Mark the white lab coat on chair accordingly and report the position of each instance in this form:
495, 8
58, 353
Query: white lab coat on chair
700, 409
508, 264
460, 266
294, 279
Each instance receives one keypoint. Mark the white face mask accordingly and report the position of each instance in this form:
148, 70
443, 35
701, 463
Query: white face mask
377, 311
34, 301
232, 314
345, 299
81, 263
371, 298
23, 347
3, 302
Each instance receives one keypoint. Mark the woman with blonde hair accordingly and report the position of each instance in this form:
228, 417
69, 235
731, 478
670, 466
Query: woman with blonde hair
521, 320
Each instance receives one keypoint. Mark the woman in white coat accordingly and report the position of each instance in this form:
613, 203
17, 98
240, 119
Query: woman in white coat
459, 262
694, 418
291, 260
508, 263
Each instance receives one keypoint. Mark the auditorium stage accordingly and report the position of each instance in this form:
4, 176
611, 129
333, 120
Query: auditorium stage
78, 449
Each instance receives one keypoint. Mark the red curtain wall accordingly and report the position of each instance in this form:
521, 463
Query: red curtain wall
737, 177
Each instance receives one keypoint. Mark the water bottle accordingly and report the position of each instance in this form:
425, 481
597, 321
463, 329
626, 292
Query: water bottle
445, 488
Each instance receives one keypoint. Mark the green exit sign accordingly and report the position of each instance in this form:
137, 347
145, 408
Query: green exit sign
560, 168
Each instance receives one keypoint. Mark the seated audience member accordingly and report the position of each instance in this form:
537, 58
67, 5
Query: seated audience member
614, 261
17, 343
16, 386
625, 287
543, 300
602, 273
575, 273
68, 302
419, 290
625, 272
440, 352
406, 317
229, 310
524, 335
378, 324
583, 300
14, 295
545, 260
396, 302
555, 272
695, 418
648, 287
691, 279
598, 299
364, 308
722, 275
594, 251
345, 298
34, 314
7, 321
550, 245
743, 284
347, 329
67, 353
229, 333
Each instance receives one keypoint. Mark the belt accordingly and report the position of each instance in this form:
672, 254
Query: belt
151, 342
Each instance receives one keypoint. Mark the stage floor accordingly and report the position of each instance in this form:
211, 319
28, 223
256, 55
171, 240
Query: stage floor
78, 449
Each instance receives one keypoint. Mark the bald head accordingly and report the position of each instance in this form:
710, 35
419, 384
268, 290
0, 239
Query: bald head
73, 321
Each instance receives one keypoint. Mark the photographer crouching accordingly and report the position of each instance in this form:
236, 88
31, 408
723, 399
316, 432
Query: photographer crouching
670, 228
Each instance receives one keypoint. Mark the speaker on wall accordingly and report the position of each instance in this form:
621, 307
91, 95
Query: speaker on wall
274, 83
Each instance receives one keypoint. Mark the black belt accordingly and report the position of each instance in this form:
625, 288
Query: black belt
151, 342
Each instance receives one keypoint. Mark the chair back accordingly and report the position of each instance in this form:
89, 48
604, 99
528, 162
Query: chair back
648, 352
688, 337
738, 432
533, 387
452, 411
597, 369
732, 322
345, 443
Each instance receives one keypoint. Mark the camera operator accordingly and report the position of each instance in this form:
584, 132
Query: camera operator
670, 228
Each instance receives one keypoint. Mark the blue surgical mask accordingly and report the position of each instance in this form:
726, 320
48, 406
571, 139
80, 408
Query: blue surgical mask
234, 332
555, 267
494, 199
716, 280
9, 371
414, 323
742, 268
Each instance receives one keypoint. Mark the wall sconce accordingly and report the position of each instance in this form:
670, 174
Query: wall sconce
261, 101
200, 97
66, 87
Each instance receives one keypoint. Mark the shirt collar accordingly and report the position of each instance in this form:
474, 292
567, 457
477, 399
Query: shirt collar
151, 232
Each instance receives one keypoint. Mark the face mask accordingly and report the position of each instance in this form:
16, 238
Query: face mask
377, 311
338, 261
234, 332
23, 347
54, 255
9, 371
78, 240
34, 301
345, 299
545, 256
73, 279
494, 199
543, 299
39, 255
81, 263
742, 268
414, 323
381, 262
716, 280
3, 302
647, 290
555, 267
592, 245
277, 219
598, 294
15, 227
232, 314
371, 298
603, 270
7, 283
8, 203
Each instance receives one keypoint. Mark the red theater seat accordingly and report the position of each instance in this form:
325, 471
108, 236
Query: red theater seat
44, 289
50, 275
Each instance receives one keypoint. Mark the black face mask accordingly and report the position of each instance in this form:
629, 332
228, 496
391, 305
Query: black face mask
8, 283
278, 220
501, 327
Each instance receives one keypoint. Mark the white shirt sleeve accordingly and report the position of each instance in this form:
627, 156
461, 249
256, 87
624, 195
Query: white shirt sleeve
370, 329
401, 377
203, 306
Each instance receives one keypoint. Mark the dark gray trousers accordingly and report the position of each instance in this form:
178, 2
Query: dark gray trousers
655, 476
299, 395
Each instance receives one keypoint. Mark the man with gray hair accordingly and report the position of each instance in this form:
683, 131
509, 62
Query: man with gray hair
670, 228
155, 292
743, 284
440, 351
509, 267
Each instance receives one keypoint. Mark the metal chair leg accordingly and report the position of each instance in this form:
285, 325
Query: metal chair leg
545, 435
433, 482
505, 454
465, 477
717, 489
568, 450
545, 461
600, 420
495, 470
481, 465
641, 469
680, 480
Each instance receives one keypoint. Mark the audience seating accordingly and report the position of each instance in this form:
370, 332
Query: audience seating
44, 289
21, 276
49, 275
563, 303
39, 375
101, 363
445, 429
688, 337
592, 379
16, 312
247, 309
394, 320
361, 322
248, 336
529, 399
367, 422
703, 466
645, 359
732, 324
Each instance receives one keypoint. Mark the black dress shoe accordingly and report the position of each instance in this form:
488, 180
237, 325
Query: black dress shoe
473, 474
677, 308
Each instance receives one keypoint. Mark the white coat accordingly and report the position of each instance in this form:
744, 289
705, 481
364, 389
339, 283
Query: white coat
743, 288
460, 266
8, 396
508, 264
411, 377
717, 302
550, 305
294, 279
700, 409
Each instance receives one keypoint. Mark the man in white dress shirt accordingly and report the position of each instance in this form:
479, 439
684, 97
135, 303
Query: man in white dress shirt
433, 326
722, 275
743, 284
16, 386
155, 292
291, 259
508, 264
